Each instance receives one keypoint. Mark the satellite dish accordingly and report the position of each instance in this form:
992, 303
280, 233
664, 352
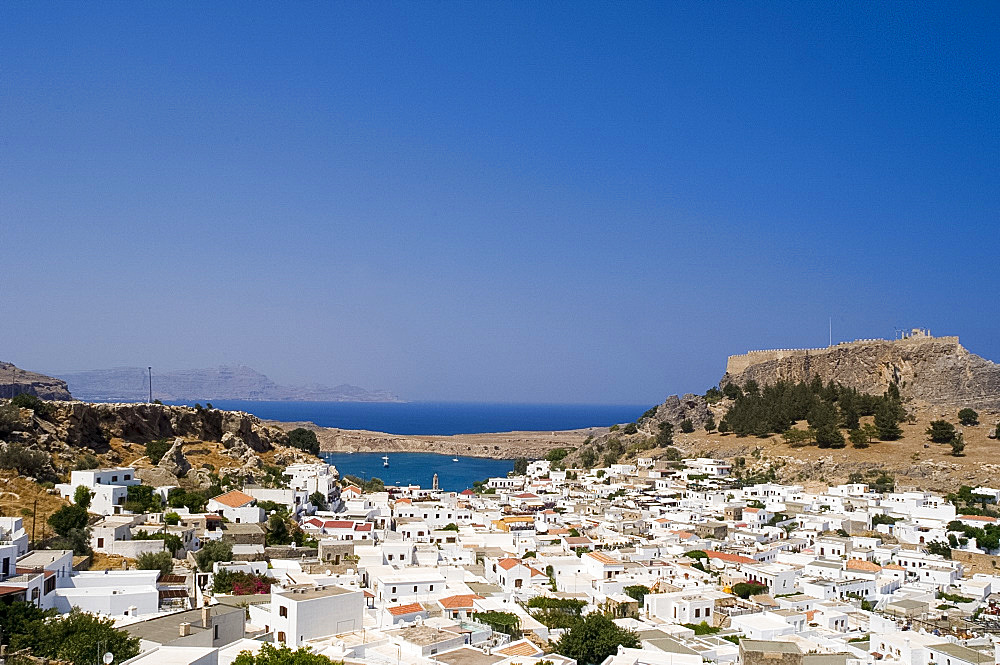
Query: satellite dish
329, 572
109, 658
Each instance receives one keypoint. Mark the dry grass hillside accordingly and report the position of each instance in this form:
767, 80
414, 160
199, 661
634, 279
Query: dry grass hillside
913, 459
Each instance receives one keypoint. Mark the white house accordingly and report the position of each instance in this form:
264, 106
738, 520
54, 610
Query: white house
109, 488
295, 616
237, 507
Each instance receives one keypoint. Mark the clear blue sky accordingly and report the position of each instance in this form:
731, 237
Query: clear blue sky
515, 201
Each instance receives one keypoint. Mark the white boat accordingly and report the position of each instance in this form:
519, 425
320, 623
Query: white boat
385, 460
454, 459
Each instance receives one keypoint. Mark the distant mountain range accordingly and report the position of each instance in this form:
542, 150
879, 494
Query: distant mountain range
131, 384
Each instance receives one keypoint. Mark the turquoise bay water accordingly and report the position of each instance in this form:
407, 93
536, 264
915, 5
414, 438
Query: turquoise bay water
434, 418
419, 468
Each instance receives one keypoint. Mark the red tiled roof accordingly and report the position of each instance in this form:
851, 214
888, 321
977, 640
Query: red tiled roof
400, 610
977, 518
507, 564
233, 499
729, 558
362, 527
464, 601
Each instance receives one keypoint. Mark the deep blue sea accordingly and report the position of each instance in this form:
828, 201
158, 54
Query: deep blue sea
441, 417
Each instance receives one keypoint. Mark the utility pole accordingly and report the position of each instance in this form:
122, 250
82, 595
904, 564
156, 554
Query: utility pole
150, 385
34, 514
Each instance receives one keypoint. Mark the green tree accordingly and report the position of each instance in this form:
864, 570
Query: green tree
636, 591
17, 618
957, 445
887, 422
77, 637
732, 391
941, 431
556, 454
82, 496
277, 531
68, 518
171, 518
272, 655
212, 551
304, 439
520, 466
968, 417
858, 438
593, 639
588, 457
665, 437
710, 424
171, 542
161, 561
723, 426
687, 426
317, 499
142, 499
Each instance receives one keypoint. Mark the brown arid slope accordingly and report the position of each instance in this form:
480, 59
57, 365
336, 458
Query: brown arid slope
499, 445
913, 460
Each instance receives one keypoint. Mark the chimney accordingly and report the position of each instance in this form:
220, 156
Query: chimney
184, 628
206, 616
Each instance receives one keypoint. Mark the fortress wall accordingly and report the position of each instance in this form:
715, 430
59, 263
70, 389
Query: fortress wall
740, 363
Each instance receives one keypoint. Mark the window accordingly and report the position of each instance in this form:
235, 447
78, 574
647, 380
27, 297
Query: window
697, 613
114, 479
282, 611
414, 588
126, 477
281, 636
708, 612
215, 630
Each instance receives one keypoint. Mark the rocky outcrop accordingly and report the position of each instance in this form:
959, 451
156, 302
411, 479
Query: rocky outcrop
15, 381
677, 409
935, 370
87, 424
68, 430
173, 461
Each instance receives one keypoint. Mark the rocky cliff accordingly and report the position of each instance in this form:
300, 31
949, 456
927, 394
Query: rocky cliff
935, 370
131, 384
67, 430
15, 381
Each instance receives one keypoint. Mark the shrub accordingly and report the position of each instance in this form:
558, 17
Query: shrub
631, 428
593, 639
173, 519
941, 431
156, 449
29, 401
747, 589
141, 499
239, 583
161, 561
87, 461
213, 551
687, 426
25, 461
968, 417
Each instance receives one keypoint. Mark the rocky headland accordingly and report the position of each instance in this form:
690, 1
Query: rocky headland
15, 381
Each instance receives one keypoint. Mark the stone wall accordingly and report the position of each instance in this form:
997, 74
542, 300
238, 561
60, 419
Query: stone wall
986, 564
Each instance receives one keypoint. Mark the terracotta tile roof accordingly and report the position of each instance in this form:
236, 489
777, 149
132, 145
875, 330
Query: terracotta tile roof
352, 488
459, 602
601, 557
507, 564
468, 493
861, 564
519, 648
233, 499
363, 527
729, 558
578, 540
892, 566
977, 518
400, 610
406, 501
